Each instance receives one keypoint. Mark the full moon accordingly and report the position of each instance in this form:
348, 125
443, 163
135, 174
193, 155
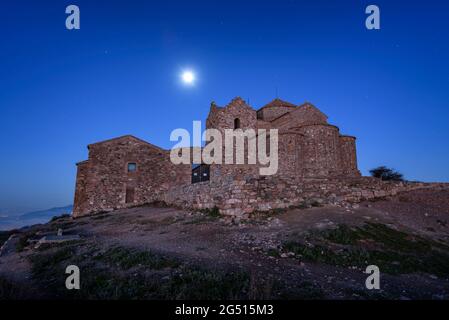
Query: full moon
188, 77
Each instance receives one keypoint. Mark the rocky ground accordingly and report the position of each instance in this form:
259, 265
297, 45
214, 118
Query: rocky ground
155, 252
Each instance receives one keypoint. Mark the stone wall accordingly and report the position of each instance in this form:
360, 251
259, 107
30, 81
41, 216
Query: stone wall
223, 118
104, 183
320, 150
81, 201
240, 197
232, 197
348, 156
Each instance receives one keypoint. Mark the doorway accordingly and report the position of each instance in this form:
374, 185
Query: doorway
129, 196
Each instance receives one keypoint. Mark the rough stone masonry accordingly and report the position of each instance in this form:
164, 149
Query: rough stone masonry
316, 163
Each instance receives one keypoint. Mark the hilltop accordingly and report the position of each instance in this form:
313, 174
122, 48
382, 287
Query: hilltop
158, 252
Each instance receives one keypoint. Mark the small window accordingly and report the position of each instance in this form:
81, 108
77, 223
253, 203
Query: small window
200, 173
132, 167
236, 123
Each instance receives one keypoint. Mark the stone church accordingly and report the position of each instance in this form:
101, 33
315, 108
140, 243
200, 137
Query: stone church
315, 159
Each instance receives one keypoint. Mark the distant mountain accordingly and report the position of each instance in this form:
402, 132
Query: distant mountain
48, 214
35, 217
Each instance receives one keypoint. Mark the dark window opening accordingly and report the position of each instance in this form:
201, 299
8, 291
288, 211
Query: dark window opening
236, 123
129, 197
200, 173
132, 167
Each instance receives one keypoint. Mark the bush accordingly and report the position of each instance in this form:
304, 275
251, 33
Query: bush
22, 243
386, 174
211, 212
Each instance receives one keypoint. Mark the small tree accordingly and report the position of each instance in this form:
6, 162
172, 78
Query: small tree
386, 174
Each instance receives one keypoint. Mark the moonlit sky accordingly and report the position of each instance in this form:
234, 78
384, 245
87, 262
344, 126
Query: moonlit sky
121, 74
188, 77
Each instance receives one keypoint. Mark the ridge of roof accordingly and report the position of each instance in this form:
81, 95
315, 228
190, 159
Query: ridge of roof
299, 107
278, 103
126, 136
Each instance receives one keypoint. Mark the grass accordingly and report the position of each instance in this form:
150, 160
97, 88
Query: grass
121, 273
12, 290
393, 251
126, 259
197, 283
22, 243
187, 283
42, 262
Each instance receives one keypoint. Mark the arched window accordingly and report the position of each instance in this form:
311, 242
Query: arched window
236, 123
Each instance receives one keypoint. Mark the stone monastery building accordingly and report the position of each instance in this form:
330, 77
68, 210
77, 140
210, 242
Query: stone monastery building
315, 161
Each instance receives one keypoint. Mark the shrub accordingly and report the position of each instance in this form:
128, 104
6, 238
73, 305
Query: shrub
211, 212
22, 243
386, 174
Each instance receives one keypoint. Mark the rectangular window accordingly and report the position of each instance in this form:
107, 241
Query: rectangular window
132, 167
200, 173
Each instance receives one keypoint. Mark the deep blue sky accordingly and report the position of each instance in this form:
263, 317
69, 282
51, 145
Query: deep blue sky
61, 90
